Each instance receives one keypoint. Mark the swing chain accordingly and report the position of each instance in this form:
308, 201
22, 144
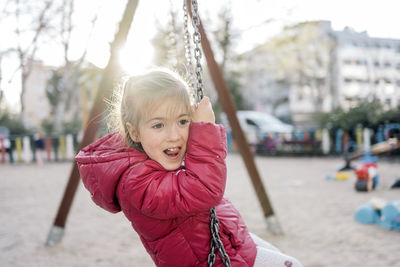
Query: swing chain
197, 50
216, 241
188, 50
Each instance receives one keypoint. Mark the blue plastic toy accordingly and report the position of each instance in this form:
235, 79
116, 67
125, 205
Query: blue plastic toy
387, 216
390, 218
367, 214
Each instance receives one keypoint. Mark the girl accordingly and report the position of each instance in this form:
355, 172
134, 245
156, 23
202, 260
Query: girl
165, 170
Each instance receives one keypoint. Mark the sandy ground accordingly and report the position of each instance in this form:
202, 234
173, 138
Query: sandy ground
316, 215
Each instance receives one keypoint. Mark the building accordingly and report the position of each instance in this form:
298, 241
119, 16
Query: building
367, 68
37, 106
309, 68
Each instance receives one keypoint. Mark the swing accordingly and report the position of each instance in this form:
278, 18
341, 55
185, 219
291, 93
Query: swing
215, 241
57, 229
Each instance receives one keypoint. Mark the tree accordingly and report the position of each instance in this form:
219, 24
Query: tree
84, 87
169, 50
32, 22
67, 87
304, 60
43, 22
369, 114
225, 37
168, 43
290, 75
11, 121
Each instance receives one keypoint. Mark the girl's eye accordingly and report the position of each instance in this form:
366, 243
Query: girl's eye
183, 122
157, 126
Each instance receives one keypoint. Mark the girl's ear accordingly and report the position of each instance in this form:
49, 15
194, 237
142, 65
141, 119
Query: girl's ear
132, 132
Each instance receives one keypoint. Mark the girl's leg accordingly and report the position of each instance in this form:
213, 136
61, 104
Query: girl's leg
270, 258
39, 156
262, 243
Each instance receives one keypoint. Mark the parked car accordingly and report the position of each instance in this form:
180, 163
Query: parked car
257, 126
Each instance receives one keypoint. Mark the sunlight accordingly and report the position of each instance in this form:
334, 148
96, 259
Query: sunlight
135, 58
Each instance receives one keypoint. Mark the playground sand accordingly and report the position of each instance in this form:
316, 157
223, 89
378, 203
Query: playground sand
316, 215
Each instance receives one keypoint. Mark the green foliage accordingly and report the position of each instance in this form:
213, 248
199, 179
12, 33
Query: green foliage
53, 89
13, 123
368, 114
390, 116
72, 127
69, 127
233, 84
47, 126
86, 84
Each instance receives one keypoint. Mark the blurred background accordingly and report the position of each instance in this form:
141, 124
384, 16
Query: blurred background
316, 66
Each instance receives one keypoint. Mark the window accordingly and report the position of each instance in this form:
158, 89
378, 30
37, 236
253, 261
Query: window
362, 81
348, 80
377, 64
388, 64
252, 123
361, 62
388, 81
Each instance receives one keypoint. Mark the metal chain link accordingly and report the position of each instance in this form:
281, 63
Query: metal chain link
197, 50
215, 242
188, 51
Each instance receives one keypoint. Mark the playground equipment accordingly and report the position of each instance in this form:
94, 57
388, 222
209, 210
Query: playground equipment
379, 148
378, 211
396, 184
340, 176
392, 135
367, 174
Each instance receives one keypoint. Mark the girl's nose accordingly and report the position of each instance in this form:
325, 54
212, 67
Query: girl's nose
173, 132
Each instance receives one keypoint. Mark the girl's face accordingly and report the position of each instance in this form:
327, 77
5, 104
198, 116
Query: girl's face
164, 134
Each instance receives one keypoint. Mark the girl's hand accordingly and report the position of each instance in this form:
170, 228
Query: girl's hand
203, 112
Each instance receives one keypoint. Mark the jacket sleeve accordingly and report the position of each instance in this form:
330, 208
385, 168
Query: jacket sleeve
197, 187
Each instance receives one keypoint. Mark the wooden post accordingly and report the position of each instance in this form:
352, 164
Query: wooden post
229, 108
105, 89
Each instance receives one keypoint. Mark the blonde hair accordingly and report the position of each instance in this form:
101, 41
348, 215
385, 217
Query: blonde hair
141, 95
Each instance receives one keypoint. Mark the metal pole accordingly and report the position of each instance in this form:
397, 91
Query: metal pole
229, 108
105, 89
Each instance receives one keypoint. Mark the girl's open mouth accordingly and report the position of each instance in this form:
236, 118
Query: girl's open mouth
172, 152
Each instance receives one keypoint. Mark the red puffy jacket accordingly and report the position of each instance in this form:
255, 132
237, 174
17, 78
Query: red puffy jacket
170, 209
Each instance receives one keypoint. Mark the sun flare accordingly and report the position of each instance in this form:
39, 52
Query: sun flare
135, 58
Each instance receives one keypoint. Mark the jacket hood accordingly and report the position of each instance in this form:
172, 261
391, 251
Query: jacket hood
101, 165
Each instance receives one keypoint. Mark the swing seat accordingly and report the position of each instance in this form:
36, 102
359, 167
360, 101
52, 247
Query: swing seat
367, 214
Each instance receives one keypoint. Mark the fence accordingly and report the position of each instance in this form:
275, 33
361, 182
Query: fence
22, 149
322, 141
